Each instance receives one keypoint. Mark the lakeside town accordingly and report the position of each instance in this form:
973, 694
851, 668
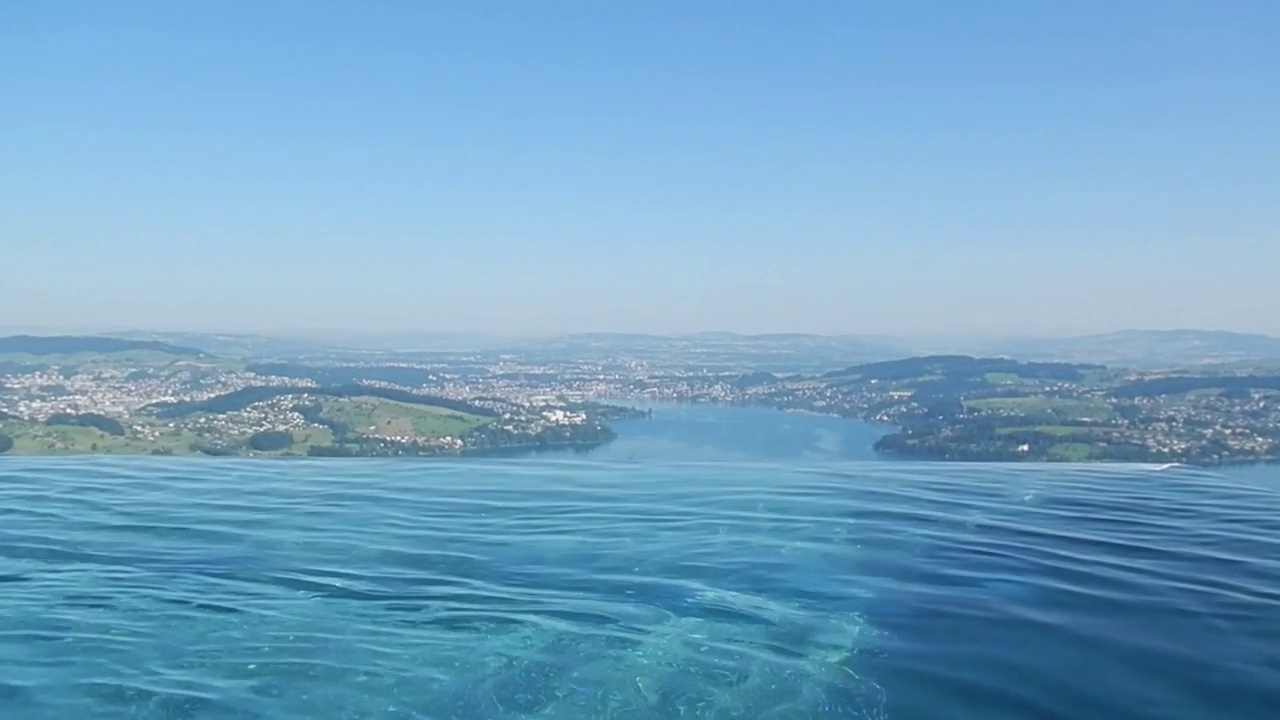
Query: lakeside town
184, 407
943, 407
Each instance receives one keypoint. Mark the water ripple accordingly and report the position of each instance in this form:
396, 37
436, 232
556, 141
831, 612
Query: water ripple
575, 589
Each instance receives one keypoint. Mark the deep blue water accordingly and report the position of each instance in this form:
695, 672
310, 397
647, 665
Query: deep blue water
675, 574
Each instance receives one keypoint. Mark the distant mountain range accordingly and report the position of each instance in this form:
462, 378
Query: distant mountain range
794, 352
306, 344
230, 344
847, 343
776, 352
1127, 348
1142, 348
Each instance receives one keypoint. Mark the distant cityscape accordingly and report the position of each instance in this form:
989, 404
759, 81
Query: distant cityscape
67, 395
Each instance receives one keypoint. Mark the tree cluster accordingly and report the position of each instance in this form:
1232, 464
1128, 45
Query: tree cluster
110, 426
270, 441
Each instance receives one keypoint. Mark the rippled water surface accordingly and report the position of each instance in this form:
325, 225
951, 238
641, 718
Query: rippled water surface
598, 587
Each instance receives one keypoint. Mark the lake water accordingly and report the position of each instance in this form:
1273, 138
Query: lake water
712, 563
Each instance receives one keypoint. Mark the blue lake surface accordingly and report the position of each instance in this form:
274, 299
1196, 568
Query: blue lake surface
712, 563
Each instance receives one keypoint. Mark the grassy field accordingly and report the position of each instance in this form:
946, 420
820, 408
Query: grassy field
1065, 407
303, 439
375, 416
33, 439
1003, 379
132, 360
1102, 377
1071, 452
1062, 430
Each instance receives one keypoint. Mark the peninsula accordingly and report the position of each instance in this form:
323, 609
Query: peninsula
997, 409
146, 398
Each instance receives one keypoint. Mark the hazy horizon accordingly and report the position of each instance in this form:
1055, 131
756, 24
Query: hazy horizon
926, 169
332, 334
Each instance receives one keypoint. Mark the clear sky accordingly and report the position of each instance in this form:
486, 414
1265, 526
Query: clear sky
907, 167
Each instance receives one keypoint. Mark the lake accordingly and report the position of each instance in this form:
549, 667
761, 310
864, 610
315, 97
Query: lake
710, 563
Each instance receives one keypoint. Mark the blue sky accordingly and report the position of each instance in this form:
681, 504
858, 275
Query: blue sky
914, 168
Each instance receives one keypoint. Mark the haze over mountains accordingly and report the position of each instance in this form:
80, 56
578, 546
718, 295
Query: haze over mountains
798, 352
1143, 347
39, 345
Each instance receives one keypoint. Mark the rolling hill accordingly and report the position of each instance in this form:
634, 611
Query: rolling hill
76, 344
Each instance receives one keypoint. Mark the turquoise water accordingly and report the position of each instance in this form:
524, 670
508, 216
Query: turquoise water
647, 580
701, 433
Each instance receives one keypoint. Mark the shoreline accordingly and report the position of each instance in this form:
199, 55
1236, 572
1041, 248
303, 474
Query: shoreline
530, 449
890, 429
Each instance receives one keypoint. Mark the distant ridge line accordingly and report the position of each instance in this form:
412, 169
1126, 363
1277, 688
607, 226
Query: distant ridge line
73, 344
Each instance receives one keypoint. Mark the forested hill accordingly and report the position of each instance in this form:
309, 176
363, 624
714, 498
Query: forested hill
960, 366
73, 344
244, 397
